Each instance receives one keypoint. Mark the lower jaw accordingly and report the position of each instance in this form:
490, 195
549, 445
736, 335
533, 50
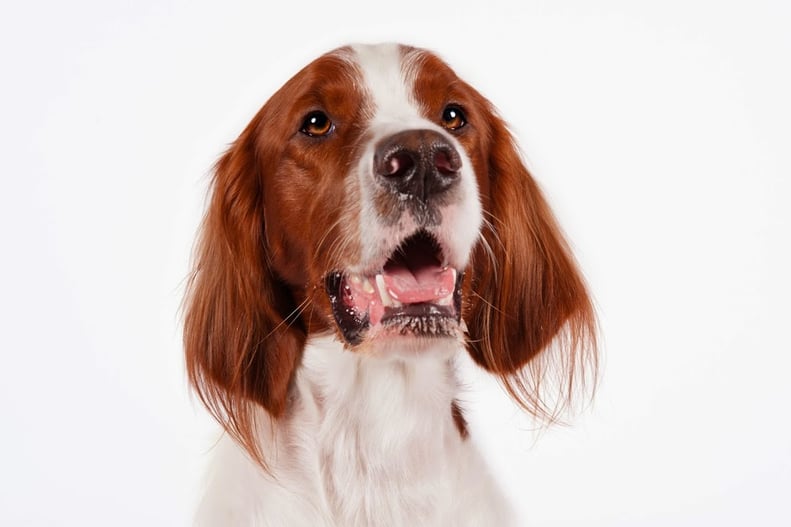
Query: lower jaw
430, 326
413, 339
407, 330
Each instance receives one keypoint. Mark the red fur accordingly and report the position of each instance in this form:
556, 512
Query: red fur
277, 223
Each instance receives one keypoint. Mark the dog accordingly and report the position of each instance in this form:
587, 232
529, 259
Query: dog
373, 221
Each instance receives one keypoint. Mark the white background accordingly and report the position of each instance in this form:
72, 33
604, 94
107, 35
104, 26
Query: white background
660, 132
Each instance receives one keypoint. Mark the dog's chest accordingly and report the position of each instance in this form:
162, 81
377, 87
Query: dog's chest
374, 478
365, 444
388, 451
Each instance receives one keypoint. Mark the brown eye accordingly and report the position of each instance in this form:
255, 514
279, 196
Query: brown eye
316, 124
453, 117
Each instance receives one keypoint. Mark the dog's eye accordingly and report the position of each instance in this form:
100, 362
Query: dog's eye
453, 117
316, 124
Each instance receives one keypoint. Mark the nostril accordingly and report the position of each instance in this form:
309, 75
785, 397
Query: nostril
447, 162
420, 164
399, 164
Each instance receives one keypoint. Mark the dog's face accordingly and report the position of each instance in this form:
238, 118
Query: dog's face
378, 196
375, 166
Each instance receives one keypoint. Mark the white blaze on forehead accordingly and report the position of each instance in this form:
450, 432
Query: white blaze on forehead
389, 80
388, 86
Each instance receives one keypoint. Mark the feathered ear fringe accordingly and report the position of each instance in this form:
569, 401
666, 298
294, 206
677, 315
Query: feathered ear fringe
531, 320
241, 346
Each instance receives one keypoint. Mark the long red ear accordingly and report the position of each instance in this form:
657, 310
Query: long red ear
241, 338
532, 322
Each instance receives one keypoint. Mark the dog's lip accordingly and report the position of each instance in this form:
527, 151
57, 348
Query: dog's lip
362, 305
413, 289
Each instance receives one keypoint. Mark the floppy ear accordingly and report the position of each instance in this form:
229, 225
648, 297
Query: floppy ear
241, 342
531, 321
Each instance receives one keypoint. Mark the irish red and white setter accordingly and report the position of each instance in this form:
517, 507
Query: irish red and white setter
373, 221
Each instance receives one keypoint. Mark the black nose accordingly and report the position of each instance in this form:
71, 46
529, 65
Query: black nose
417, 163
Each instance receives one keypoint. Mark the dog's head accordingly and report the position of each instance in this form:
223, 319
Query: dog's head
378, 196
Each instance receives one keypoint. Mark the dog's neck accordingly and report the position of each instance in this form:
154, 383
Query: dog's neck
387, 424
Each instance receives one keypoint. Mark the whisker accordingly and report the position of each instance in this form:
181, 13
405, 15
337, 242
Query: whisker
485, 301
490, 225
488, 248
291, 317
330, 229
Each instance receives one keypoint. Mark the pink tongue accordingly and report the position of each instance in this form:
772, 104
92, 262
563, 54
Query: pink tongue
426, 284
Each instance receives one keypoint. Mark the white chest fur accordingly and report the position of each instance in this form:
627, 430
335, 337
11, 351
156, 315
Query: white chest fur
367, 442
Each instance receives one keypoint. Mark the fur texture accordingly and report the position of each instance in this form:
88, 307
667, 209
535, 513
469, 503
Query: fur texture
374, 220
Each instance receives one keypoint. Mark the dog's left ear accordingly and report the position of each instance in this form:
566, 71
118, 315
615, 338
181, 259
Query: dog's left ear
530, 320
242, 339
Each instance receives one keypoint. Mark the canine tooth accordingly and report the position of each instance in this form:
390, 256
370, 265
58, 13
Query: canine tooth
368, 287
387, 300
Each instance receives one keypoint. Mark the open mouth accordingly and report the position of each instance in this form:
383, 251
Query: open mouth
414, 293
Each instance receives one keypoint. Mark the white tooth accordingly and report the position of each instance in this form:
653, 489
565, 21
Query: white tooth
355, 279
446, 300
368, 287
453, 270
387, 300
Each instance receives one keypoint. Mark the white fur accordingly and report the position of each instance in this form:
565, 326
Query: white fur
370, 442
389, 86
369, 438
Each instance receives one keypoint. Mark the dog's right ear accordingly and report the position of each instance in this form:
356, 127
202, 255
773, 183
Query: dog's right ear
242, 338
